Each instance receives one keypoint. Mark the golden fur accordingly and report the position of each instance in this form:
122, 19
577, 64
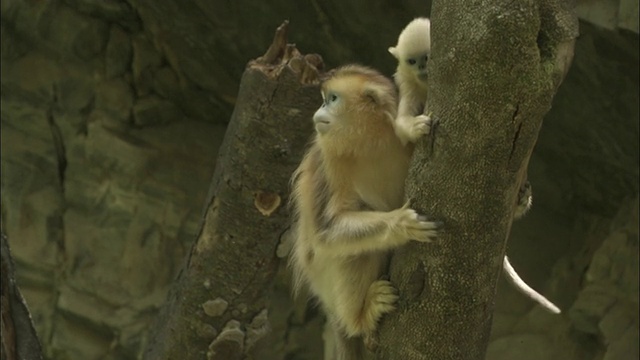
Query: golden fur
348, 195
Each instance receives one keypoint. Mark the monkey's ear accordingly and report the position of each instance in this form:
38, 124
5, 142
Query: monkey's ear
393, 51
374, 94
371, 95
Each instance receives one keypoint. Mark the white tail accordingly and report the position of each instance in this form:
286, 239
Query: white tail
515, 279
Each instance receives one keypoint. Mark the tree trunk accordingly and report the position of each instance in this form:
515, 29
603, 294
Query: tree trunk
218, 307
18, 339
494, 70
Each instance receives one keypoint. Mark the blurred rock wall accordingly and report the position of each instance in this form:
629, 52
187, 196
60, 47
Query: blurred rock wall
112, 113
106, 157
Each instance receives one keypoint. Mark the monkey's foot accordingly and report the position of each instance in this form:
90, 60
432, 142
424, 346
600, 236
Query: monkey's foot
525, 199
380, 300
416, 227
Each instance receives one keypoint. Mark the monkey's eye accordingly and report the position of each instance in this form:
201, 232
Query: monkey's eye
426, 57
331, 98
411, 61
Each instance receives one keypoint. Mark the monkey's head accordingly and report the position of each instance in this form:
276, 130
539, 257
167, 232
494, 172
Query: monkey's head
414, 47
359, 105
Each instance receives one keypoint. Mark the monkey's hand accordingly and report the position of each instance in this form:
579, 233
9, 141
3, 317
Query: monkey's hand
412, 128
421, 126
525, 199
415, 227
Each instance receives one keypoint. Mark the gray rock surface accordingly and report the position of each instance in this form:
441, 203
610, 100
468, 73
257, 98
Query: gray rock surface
112, 113
607, 305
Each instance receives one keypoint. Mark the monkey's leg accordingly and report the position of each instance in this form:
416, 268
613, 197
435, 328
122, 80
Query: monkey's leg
356, 232
525, 199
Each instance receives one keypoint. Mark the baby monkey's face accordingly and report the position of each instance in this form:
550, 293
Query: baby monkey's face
413, 49
417, 63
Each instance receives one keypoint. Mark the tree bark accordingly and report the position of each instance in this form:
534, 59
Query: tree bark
18, 336
494, 70
218, 308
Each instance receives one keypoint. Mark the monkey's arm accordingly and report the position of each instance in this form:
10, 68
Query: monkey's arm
408, 126
356, 232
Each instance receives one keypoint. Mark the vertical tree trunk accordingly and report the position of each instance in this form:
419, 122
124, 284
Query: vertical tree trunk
218, 308
494, 70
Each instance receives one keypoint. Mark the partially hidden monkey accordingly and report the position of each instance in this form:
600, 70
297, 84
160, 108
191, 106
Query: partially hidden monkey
523, 206
349, 210
412, 52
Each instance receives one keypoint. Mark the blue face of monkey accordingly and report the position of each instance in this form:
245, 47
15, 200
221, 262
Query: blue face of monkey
418, 65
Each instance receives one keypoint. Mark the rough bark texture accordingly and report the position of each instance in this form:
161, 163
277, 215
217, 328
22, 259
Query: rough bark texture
494, 70
219, 304
18, 337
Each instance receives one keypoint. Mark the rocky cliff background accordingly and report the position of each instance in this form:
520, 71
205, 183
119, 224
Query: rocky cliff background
113, 111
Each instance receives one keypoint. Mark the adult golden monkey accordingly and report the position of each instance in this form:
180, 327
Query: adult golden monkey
348, 197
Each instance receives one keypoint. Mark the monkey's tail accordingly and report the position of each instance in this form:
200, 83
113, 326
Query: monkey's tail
338, 346
515, 279
350, 349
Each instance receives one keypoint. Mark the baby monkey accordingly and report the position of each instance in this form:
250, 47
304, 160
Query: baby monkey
349, 210
412, 52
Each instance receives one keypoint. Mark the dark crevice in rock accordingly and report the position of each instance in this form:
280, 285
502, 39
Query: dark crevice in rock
58, 144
